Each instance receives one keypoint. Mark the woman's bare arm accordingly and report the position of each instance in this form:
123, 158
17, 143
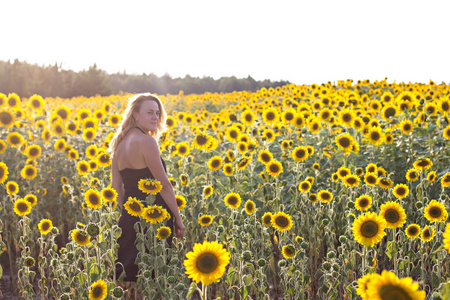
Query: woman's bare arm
116, 181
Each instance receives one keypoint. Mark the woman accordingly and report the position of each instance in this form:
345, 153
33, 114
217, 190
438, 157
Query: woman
135, 155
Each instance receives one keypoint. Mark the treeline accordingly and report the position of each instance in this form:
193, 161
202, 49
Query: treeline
27, 79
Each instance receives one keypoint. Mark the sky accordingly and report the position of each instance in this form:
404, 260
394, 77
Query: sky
303, 42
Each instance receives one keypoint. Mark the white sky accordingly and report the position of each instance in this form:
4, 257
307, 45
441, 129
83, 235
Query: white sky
301, 41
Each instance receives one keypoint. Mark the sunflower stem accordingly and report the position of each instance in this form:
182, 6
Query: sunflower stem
204, 291
364, 260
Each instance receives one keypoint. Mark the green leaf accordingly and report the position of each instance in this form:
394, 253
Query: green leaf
244, 291
445, 291
248, 280
232, 276
391, 249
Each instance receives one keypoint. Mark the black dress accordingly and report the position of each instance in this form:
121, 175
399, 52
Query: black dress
127, 249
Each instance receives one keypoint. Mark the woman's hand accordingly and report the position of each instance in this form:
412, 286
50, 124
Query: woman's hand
179, 228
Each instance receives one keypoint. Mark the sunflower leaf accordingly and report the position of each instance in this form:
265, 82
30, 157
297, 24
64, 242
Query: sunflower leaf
445, 291
391, 249
232, 276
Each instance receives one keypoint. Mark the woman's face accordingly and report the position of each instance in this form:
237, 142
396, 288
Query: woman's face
148, 116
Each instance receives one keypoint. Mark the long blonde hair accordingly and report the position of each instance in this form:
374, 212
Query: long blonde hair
128, 121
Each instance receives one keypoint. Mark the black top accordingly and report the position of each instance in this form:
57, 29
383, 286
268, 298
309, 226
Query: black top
127, 250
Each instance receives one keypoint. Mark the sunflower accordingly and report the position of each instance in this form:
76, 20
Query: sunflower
288, 251
149, 186
7, 118
346, 117
435, 212
45, 226
215, 163
385, 183
155, 214
314, 125
363, 202
228, 169
93, 199
232, 133
181, 201
201, 141
343, 172
249, 207
270, 115
324, 196
412, 175
335, 177
423, 164
406, 126
428, 233
104, 159
15, 139
22, 207
446, 237
3, 146
184, 180
345, 141
207, 262
36, 102
393, 214
163, 232
362, 284
32, 199
83, 167
109, 194
300, 153
232, 200
371, 179
299, 120
205, 220
351, 180
12, 188
388, 139
248, 117
375, 135
99, 290
207, 191
389, 286
182, 149
446, 132
60, 145
412, 231
371, 168
304, 186
243, 162
4, 172
89, 134
281, 221
389, 111
72, 154
430, 177
445, 180
274, 168
265, 156
79, 237
269, 135
267, 219
368, 229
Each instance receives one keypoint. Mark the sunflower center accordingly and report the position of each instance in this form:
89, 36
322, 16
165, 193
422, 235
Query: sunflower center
300, 153
33, 151
435, 212
325, 115
274, 168
97, 292
412, 230
364, 202
325, 196
351, 180
248, 117
93, 199
392, 216
12, 188
375, 136
427, 233
289, 116
282, 221
369, 229
228, 169
343, 173
58, 129
215, 163
29, 171
89, 134
265, 157
371, 179
207, 190
270, 116
390, 112
401, 191
267, 219
22, 207
447, 179
35, 103
344, 142
182, 149
81, 237
164, 233
305, 185
422, 163
15, 140
249, 206
89, 124
207, 263
347, 117
5, 118
45, 226
232, 200
2, 172
83, 168
406, 127
154, 213
445, 106
206, 220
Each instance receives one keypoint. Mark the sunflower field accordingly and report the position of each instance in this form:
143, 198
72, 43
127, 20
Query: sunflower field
322, 191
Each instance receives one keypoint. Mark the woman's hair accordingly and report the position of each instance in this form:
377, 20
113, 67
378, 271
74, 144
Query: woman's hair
128, 121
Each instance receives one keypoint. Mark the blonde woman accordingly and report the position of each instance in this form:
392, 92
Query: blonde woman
135, 155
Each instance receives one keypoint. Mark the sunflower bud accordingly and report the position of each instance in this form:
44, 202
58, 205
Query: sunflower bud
247, 256
117, 292
147, 274
93, 229
325, 222
343, 239
70, 256
336, 267
350, 204
180, 286
65, 297
419, 205
54, 231
29, 262
282, 263
331, 254
326, 266
261, 262
171, 279
174, 260
67, 289
54, 262
220, 228
304, 245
